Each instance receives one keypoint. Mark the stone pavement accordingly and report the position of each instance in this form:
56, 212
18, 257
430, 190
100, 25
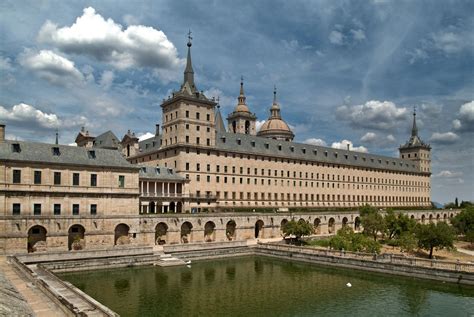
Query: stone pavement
39, 304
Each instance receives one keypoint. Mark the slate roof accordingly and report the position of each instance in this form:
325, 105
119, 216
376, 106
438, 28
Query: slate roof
107, 140
159, 173
149, 145
292, 150
68, 155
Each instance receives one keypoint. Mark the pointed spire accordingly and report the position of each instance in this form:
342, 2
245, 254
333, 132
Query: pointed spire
189, 72
57, 137
220, 127
414, 129
242, 94
275, 108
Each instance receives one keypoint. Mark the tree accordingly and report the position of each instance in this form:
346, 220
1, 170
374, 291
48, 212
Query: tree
431, 236
464, 223
466, 204
298, 229
372, 221
348, 240
397, 224
456, 202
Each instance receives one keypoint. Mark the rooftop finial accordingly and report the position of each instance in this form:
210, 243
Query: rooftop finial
241, 85
414, 129
189, 38
218, 99
57, 136
274, 94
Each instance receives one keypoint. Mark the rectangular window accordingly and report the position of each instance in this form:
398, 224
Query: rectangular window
93, 209
121, 180
37, 177
16, 176
75, 209
187, 166
16, 209
57, 178
75, 179
37, 209
187, 114
93, 180
197, 115
208, 117
57, 209
197, 140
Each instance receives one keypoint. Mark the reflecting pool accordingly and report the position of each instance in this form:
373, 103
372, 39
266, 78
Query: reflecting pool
260, 286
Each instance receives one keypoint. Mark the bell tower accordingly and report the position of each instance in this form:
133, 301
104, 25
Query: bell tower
241, 120
417, 150
188, 115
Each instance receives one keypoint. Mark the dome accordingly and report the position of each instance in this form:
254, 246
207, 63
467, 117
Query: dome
241, 108
275, 124
275, 127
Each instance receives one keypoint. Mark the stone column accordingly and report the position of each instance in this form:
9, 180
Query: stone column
156, 185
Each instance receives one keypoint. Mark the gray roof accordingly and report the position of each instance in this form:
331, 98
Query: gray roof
220, 126
68, 155
159, 173
107, 140
149, 145
290, 150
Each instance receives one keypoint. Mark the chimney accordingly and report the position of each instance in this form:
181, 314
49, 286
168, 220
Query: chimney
157, 130
2, 133
348, 147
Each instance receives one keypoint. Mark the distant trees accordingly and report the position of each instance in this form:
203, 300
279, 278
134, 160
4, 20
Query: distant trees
463, 223
347, 239
431, 236
298, 229
372, 221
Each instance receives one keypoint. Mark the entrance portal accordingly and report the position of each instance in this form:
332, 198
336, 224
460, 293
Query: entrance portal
259, 229
76, 238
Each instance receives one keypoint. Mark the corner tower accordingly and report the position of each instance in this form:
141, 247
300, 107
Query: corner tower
417, 150
241, 120
188, 115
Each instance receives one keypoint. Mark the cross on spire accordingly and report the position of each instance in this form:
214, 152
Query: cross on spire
189, 38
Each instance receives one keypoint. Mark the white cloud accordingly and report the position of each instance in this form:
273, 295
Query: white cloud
314, 141
343, 146
465, 121
449, 41
369, 137
448, 174
27, 116
258, 124
224, 100
107, 79
417, 54
444, 138
144, 136
390, 138
105, 40
374, 114
336, 37
6, 64
51, 66
358, 35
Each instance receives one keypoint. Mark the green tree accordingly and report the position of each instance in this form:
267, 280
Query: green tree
297, 229
466, 204
372, 221
464, 223
431, 236
398, 223
407, 241
456, 202
348, 240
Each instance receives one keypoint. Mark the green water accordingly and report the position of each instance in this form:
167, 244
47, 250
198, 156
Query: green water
259, 286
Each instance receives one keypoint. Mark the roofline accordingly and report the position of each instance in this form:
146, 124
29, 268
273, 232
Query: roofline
189, 98
132, 167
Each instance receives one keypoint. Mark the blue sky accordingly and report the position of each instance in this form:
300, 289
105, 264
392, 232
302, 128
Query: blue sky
345, 71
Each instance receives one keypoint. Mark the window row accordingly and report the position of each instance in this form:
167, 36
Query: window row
57, 209
57, 178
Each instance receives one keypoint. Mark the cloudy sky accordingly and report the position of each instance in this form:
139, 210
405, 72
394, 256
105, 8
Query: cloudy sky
346, 71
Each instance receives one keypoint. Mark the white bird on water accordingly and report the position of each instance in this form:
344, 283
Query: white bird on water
349, 285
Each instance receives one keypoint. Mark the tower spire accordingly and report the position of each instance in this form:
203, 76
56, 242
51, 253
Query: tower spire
242, 94
189, 72
414, 129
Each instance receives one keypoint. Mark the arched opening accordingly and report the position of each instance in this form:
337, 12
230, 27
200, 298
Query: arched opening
430, 218
152, 207
37, 239
209, 231
438, 217
76, 238
344, 221
121, 234
172, 206
128, 150
179, 207
283, 224
451, 215
247, 127
230, 231
331, 225
234, 126
317, 226
259, 229
161, 233
357, 224
422, 218
412, 217
445, 217
186, 231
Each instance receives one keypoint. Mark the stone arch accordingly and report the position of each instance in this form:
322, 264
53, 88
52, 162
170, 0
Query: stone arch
37, 238
331, 225
412, 216
259, 230
438, 217
430, 218
317, 226
230, 230
121, 234
186, 232
283, 223
422, 218
75, 240
451, 215
344, 221
357, 224
445, 217
161, 233
209, 231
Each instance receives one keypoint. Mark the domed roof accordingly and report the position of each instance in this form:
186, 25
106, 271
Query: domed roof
275, 124
241, 108
275, 127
